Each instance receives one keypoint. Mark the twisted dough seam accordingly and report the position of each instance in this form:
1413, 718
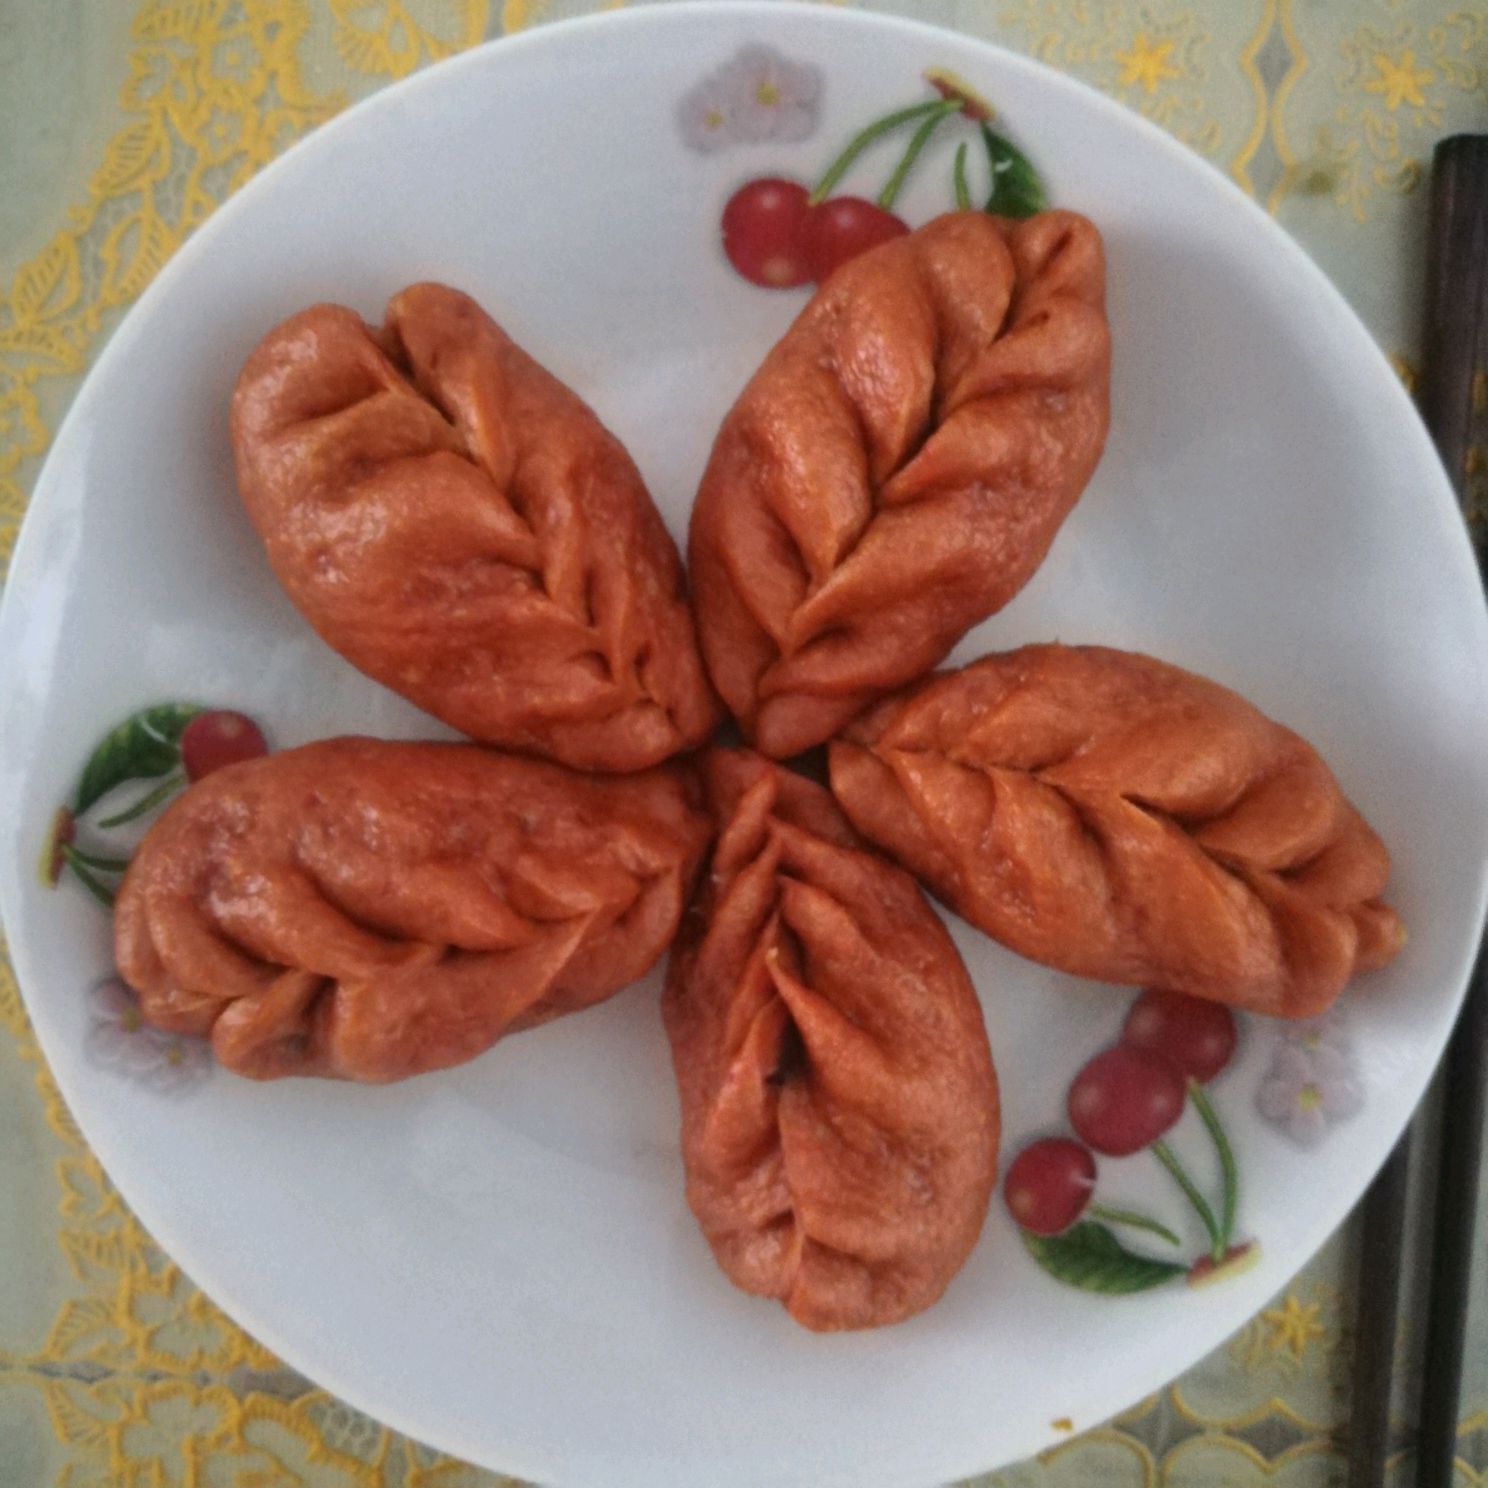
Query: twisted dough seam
460, 526
373, 910
839, 1106
898, 466
1120, 819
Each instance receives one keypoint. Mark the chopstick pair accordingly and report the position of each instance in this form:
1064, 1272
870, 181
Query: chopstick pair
1454, 402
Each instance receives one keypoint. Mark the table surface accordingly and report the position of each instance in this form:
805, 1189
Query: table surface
122, 124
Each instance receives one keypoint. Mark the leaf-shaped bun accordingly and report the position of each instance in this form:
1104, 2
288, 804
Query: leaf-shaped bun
839, 1108
371, 910
1117, 818
458, 524
898, 466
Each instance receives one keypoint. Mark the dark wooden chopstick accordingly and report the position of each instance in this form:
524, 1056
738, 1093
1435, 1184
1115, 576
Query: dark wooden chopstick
1458, 1246
1378, 1314
1454, 400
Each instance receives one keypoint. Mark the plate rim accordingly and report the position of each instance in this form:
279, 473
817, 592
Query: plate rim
1438, 504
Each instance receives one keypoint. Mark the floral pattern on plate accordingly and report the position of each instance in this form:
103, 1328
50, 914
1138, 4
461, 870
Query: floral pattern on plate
759, 95
120, 1040
1125, 1100
779, 233
164, 748
1313, 1081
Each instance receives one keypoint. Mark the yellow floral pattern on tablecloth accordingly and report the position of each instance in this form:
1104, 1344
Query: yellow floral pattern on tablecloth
1325, 113
1396, 85
1156, 59
212, 91
1383, 81
385, 38
140, 1374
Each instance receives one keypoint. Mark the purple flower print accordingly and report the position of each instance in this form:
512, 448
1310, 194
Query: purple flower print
703, 117
1313, 1082
1329, 1031
119, 1039
771, 97
760, 95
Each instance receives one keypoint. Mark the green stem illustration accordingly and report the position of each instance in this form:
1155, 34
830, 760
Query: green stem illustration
146, 803
1229, 1175
98, 890
963, 190
1135, 1220
865, 137
1164, 1154
917, 142
103, 865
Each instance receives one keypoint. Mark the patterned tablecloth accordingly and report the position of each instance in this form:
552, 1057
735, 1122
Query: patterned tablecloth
122, 125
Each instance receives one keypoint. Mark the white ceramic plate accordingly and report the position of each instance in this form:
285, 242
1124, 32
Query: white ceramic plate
498, 1259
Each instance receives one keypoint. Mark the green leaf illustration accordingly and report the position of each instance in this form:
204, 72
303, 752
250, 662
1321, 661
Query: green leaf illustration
1016, 188
144, 746
1089, 1256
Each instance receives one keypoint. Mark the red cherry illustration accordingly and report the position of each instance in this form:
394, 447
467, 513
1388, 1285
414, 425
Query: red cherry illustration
842, 227
217, 738
1049, 1184
1125, 1099
1196, 1036
763, 226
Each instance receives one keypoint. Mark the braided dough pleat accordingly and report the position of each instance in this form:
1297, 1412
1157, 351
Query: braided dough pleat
371, 910
898, 466
839, 1107
1120, 819
459, 525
